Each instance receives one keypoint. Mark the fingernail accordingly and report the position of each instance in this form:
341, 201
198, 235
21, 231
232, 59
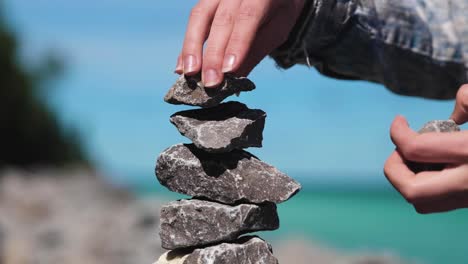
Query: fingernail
210, 77
228, 63
179, 67
189, 64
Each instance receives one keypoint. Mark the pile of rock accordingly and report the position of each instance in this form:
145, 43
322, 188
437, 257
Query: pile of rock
233, 192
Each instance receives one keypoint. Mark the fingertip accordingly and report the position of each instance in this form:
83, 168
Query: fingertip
460, 111
394, 162
212, 78
211, 85
396, 157
190, 65
400, 119
400, 123
400, 131
397, 172
229, 63
179, 69
396, 125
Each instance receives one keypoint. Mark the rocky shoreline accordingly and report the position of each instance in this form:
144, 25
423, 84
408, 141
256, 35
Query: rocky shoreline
74, 216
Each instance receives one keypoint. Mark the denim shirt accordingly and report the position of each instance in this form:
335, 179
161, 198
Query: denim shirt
413, 47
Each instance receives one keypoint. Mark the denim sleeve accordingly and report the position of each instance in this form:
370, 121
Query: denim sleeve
413, 47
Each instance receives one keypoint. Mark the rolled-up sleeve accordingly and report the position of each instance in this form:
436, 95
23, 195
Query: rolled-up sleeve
413, 47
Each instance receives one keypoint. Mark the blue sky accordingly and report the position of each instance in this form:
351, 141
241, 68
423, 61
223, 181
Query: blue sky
120, 56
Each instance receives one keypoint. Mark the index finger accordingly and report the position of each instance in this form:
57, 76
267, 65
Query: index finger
424, 186
429, 147
397, 172
197, 31
249, 19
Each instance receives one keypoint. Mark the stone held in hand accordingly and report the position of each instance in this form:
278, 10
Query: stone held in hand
440, 126
195, 223
435, 126
222, 128
230, 178
189, 90
249, 249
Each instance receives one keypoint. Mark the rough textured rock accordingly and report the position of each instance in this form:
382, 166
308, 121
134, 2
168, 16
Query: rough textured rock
190, 91
244, 250
232, 177
222, 128
438, 126
195, 223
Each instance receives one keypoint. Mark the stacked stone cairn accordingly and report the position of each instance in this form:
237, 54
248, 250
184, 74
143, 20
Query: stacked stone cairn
233, 192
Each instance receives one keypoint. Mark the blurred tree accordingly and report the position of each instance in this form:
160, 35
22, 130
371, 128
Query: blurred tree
30, 133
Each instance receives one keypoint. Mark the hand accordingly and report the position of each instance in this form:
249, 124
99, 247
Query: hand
432, 191
238, 35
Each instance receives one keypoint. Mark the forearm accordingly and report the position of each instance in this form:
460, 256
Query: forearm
410, 48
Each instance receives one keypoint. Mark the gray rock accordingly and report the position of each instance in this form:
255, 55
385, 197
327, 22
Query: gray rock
222, 128
232, 177
244, 250
195, 223
190, 91
436, 126
440, 126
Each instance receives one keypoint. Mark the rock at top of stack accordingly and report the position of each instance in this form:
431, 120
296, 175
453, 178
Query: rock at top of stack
229, 178
222, 128
435, 126
248, 249
195, 223
189, 90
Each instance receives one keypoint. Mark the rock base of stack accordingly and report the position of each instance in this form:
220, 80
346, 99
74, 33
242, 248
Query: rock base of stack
249, 249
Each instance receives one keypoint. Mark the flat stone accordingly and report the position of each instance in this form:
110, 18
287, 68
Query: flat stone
435, 126
229, 178
222, 128
245, 250
189, 90
195, 223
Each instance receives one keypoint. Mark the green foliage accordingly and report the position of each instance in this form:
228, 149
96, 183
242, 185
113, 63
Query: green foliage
30, 133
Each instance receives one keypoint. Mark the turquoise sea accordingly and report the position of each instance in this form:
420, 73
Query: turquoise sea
364, 219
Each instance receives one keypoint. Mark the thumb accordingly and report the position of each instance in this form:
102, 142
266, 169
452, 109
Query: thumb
460, 113
400, 132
